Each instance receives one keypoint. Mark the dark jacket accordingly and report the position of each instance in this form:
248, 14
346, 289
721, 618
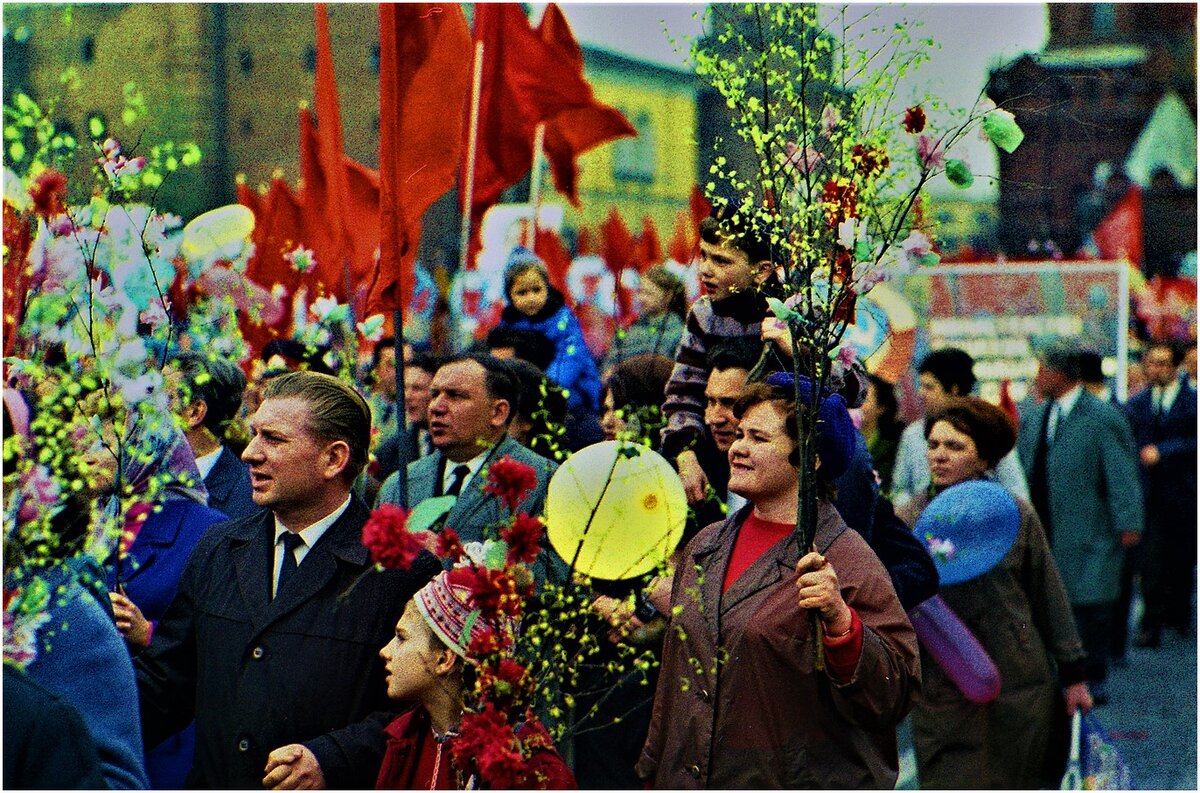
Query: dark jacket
739, 703
150, 571
46, 744
228, 486
1020, 614
258, 674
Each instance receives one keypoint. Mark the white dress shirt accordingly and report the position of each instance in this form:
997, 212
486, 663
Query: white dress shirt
310, 536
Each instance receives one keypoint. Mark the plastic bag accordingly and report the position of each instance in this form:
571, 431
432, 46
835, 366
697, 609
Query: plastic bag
1094, 762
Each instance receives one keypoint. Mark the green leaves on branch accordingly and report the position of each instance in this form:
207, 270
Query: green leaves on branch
959, 174
1001, 128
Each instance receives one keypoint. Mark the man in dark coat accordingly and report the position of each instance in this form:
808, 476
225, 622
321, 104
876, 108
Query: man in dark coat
271, 642
207, 395
1163, 418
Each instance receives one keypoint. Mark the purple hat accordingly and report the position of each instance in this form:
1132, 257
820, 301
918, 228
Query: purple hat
836, 437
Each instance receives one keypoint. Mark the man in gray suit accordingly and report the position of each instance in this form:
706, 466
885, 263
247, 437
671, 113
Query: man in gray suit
1082, 469
473, 398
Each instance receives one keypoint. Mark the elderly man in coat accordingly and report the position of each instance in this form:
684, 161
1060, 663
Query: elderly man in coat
473, 398
271, 641
1083, 474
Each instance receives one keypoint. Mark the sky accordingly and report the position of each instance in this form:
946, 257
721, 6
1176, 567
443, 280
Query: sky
973, 38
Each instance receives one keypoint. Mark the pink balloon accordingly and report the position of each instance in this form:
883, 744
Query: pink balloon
956, 650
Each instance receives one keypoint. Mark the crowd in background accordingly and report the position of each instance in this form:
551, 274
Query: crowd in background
1106, 493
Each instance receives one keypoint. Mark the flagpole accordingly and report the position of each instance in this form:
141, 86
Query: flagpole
535, 182
464, 240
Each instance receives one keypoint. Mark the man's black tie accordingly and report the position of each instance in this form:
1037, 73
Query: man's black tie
460, 474
291, 541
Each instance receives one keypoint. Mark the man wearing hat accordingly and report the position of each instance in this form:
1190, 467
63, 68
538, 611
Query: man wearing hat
1082, 470
425, 662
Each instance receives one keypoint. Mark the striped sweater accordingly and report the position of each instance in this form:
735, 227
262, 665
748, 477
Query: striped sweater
708, 324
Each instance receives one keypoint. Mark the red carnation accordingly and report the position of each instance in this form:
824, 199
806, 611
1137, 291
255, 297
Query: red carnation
871, 161
506, 685
510, 480
914, 120
495, 592
386, 536
487, 742
841, 201
524, 538
449, 545
49, 193
488, 642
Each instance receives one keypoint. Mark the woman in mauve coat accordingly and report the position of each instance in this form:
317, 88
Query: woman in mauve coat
1019, 612
739, 702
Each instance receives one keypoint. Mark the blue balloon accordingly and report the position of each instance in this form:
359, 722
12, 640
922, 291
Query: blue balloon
968, 528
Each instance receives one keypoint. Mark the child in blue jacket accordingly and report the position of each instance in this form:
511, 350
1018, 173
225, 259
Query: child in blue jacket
533, 304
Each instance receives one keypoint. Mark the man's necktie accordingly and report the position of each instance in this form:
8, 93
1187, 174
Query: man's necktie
460, 474
291, 541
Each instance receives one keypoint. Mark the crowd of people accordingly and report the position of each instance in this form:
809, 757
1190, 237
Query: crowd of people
239, 642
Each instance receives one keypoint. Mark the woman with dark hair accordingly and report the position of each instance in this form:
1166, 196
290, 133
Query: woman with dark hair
881, 427
741, 702
1019, 612
632, 396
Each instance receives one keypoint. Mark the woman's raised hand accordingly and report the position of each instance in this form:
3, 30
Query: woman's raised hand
818, 589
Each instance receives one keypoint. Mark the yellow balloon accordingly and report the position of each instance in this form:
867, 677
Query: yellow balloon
639, 510
225, 229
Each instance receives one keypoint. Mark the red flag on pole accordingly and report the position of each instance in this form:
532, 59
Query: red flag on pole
650, 253
1119, 234
550, 249
424, 76
332, 150
617, 247
680, 247
584, 125
531, 77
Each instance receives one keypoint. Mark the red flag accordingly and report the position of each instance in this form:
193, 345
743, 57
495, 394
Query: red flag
650, 253
1119, 234
617, 248
583, 242
549, 247
580, 128
531, 77
318, 234
1008, 404
332, 150
18, 239
424, 78
680, 247
278, 224
700, 205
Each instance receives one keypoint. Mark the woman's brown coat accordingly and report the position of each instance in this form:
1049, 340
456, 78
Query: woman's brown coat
739, 704
1020, 614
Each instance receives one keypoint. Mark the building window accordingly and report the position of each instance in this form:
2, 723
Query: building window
633, 158
310, 58
375, 58
88, 49
245, 61
246, 127
375, 123
1104, 19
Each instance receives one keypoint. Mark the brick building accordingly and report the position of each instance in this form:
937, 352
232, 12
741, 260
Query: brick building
1082, 104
